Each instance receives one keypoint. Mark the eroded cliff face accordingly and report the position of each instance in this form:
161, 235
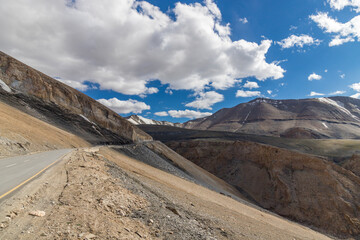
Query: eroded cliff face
301, 187
23, 79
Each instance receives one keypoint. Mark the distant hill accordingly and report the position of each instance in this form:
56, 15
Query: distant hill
139, 120
334, 117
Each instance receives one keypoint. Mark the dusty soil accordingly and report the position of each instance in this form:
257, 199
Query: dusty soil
106, 195
21, 134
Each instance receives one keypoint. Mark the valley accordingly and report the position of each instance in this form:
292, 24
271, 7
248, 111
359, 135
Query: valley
158, 181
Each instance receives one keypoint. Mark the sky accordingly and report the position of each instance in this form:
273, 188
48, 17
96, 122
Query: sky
179, 60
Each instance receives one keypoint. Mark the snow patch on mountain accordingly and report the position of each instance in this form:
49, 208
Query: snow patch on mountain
338, 105
139, 120
4, 86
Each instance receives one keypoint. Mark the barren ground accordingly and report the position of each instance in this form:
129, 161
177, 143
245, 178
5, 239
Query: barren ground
102, 194
21, 134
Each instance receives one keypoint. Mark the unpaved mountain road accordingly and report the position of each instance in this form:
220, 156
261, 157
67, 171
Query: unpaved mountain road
17, 171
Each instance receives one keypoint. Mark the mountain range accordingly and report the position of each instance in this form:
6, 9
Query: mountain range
197, 184
333, 117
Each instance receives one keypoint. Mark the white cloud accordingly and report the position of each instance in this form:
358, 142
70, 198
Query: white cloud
312, 94
269, 92
77, 85
122, 45
242, 93
206, 100
355, 86
168, 91
243, 20
298, 41
342, 75
314, 76
188, 114
251, 85
326, 70
129, 106
292, 28
356, 95
148, 91
341, 4
337, 93
343, 32
161, 114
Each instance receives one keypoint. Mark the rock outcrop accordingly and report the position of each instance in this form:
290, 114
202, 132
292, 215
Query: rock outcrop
26, 82
301, 187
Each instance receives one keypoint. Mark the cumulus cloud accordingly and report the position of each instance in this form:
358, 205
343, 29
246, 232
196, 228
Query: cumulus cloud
341, 4
188, 114
161, 114
314, 76
337, 93
129, 106
298, 41
242, 93
148, 91
243, 20
251, 85
123, 45
312, 94
356, 95
355, 86
206, 100
74, 84
342, 75
343, 32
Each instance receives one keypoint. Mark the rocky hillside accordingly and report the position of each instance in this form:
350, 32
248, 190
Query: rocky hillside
139, 120
335, 117
21, 133
301, 187
44, 97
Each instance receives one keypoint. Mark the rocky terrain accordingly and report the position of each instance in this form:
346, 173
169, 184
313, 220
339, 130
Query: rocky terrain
301, 187
335, 150
101, 194
141, 189
334, 117
44, 97
139, 120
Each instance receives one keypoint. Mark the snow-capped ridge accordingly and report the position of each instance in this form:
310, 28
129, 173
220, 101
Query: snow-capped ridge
139, 120
338, 105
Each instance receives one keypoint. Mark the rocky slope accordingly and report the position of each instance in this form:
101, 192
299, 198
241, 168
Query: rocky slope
44, 97
139, 120
307, 189
335, 117
21, 133
101, 194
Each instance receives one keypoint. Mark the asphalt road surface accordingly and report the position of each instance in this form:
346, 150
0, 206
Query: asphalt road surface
16, 171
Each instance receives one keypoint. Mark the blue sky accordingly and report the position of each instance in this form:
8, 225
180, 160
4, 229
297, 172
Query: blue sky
176, 60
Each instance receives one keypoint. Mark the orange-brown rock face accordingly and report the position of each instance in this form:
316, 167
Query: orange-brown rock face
301, 187
26, 80
353, 164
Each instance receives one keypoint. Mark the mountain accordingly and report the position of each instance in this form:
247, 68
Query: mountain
139, 120
333, 117
45, 98
305, 188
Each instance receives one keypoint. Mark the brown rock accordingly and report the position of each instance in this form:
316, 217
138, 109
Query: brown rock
37, 213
